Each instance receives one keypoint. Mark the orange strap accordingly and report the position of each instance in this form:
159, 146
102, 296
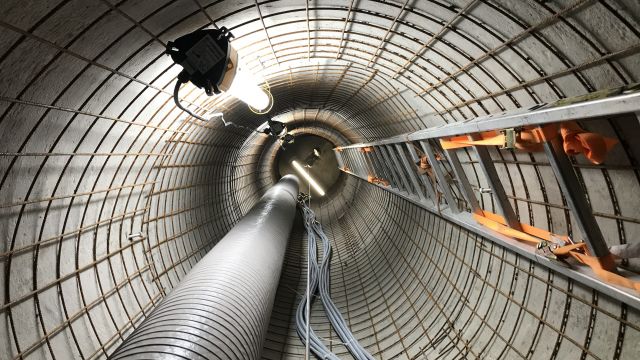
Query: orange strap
577, 251
488, 138
567, 249
529, 233
576, 140
611, 277
376, 180
528, 140
595, 147
597, 265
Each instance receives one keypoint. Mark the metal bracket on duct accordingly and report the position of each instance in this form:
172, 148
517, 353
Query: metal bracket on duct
319, 281
222, 307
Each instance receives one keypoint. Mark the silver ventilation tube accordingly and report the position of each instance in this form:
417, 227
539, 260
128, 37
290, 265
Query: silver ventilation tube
221, 309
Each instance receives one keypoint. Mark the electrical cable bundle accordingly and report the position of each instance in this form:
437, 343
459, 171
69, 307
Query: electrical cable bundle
319, 281
315, 343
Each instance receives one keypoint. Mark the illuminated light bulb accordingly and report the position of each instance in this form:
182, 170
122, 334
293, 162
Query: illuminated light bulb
245, 88
307, 177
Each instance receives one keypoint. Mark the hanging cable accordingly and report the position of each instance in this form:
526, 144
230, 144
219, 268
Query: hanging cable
315, 343
308, 313
320, 276
275, 129
176, 99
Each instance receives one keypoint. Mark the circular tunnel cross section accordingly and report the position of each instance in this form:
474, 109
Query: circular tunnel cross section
110, 195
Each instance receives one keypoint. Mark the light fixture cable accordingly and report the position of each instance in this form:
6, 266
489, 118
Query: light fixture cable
176, 99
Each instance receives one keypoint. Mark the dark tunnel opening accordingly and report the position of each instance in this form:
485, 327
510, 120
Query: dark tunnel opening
317, 153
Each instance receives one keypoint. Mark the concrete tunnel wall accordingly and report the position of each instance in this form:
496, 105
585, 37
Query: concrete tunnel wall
109, 194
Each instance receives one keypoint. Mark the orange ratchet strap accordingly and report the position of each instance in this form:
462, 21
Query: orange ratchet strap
578, 251
595, 147
492, 137
376, 180
576, 140
529, 233
596, 265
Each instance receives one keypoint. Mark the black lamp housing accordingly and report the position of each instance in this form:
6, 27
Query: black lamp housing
207, 58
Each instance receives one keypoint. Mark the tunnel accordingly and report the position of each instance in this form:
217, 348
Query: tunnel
110, 194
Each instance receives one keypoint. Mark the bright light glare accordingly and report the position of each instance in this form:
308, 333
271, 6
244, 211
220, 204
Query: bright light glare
309, 179
244, 87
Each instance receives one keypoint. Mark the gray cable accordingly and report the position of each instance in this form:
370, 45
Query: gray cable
320, 276
316, 345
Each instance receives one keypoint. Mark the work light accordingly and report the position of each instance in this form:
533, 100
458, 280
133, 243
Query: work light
211, 63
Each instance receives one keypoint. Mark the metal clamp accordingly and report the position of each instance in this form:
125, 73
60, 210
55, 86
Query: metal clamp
511, 136
545, 248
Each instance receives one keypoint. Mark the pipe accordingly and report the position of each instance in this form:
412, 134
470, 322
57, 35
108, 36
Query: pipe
222, 307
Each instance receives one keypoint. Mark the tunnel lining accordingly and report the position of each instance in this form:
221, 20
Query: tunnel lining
87, 86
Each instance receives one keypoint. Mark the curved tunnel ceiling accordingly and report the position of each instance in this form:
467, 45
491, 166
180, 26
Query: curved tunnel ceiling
109, 194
